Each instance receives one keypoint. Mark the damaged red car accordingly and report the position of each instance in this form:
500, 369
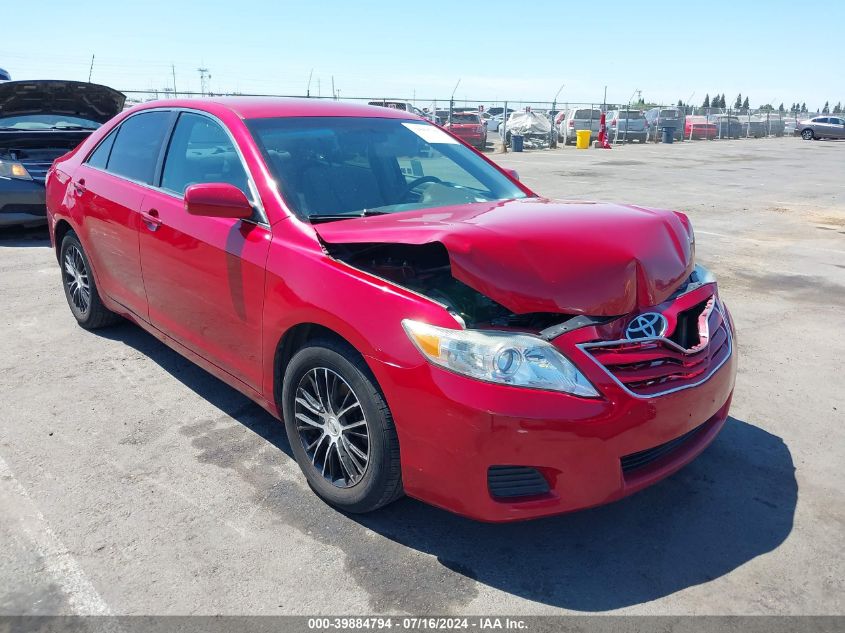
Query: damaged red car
423, 323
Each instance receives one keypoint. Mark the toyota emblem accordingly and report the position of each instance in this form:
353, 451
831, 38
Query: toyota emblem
646, 325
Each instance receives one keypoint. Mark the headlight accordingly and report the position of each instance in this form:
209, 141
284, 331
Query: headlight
701, 275
510, 359
13, 169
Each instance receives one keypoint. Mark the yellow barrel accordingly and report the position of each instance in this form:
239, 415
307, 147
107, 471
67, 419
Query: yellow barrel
582, 139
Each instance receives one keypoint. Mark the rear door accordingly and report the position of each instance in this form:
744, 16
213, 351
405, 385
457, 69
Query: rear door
111, 185
204, 276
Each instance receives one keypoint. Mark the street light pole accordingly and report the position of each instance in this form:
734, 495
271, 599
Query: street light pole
552, 132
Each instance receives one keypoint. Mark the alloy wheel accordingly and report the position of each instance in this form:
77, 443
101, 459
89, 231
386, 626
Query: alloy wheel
76, 279
807, 135
332, 427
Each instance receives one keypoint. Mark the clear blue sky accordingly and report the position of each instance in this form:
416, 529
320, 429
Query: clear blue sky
406, 47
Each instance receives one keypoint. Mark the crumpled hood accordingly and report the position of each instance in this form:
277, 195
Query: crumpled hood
537, 255
73, 98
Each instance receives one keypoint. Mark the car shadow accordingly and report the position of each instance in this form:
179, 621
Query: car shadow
734, 503
16, 236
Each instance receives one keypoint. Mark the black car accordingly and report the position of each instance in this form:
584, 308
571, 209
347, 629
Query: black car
40, 121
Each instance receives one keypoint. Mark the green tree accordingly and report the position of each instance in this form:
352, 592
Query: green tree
804, 107
738, 102
837, 109
780, 109
745, 105
722, 103
680, 103
826, 108
767, 108
706, 103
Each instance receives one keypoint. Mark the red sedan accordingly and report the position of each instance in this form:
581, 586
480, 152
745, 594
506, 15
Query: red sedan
421, 321
699, 127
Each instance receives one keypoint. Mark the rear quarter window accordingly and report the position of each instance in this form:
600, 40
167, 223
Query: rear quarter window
99, 158
135, 150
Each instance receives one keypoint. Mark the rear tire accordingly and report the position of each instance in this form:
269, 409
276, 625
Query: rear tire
81, 292
340, 428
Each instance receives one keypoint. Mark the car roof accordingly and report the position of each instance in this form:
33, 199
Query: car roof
269, 107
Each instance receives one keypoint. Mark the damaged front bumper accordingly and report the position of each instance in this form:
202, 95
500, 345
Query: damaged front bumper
501, 453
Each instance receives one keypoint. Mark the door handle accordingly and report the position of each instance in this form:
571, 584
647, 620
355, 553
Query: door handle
151, 219
79, 186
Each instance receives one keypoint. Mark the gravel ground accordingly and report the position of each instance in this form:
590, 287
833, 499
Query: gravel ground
132, 482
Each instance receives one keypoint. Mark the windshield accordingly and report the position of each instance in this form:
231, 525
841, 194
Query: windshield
47, 122
668, 114
334, 167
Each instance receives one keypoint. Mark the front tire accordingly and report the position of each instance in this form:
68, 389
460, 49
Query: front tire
340, 428
807, 134
81, 292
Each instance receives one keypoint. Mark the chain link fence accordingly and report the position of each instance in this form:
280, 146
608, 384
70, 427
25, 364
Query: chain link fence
625, 122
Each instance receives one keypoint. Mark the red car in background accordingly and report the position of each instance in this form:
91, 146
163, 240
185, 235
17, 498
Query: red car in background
421, 321
468, 127
698, 127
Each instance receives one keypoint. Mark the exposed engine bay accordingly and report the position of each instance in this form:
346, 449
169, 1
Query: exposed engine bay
425, 269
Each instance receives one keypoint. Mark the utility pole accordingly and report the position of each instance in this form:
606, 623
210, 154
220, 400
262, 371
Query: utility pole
91, 69
334, 94
173, 71
318, 87
308, 87
204, 77
452, 101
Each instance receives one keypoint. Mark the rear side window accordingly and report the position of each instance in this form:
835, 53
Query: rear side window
136, 148
100, 157
201, 152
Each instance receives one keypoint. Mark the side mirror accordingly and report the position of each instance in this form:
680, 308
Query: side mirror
217, 200
512, 173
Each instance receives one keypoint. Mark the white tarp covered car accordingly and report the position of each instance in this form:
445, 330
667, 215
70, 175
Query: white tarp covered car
534, 127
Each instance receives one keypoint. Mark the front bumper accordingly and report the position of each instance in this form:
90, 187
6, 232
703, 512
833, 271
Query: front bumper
22, 202
453, 429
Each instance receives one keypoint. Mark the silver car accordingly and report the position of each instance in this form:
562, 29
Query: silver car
627, 126
579, 119
822, 127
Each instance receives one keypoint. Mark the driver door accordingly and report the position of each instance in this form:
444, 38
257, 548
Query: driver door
204, 276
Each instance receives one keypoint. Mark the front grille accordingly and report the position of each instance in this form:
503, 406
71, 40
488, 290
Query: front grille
641, 459
31, 209
508, 482
37, 169
650, 367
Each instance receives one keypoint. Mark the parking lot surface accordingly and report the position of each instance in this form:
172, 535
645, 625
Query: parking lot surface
132, 482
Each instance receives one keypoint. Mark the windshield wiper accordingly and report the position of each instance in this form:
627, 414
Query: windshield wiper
71, 127
328, 217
